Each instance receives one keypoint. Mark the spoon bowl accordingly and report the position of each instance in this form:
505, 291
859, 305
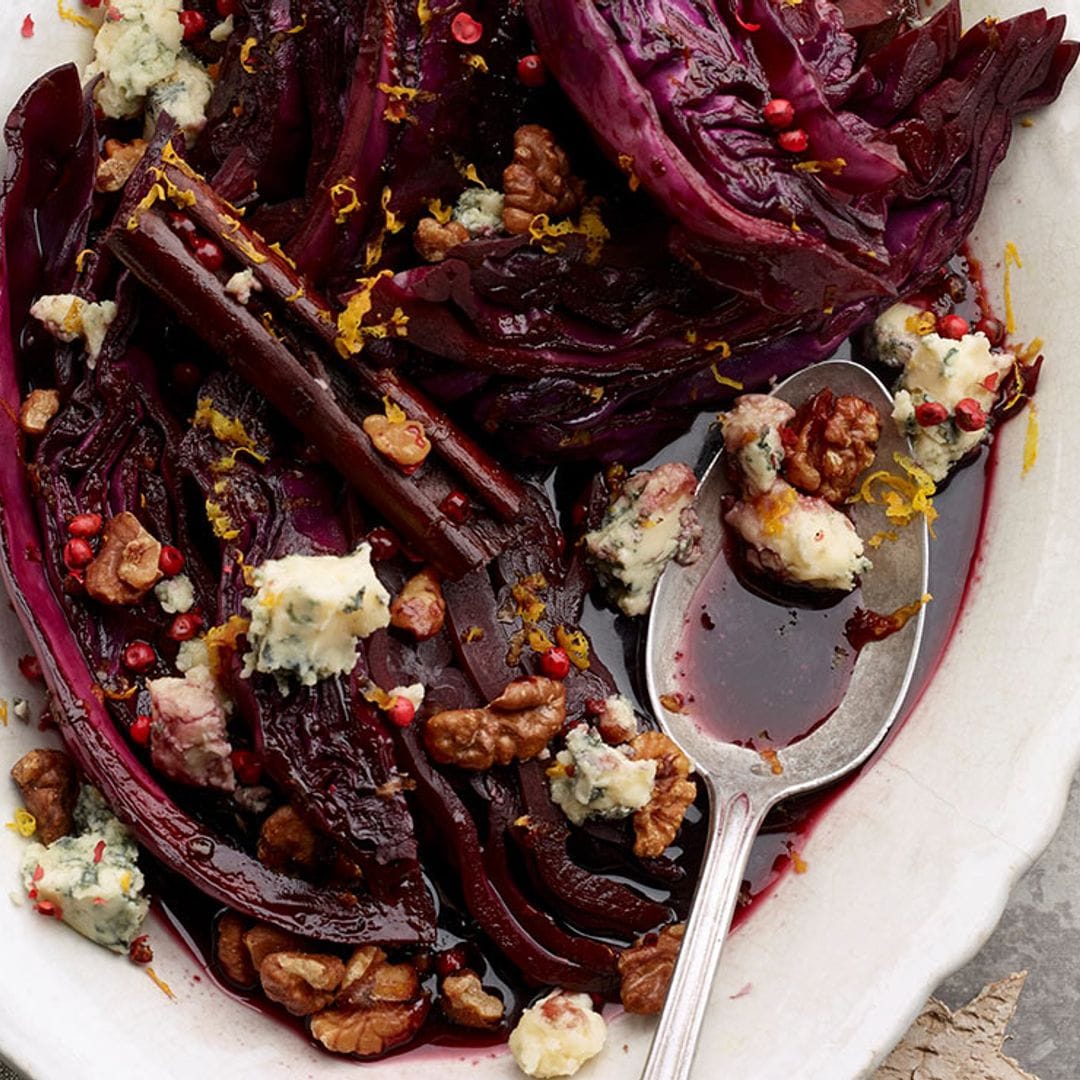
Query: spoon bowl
743, 785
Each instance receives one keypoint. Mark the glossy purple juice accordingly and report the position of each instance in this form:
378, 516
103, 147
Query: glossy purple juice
764, 671
729, 629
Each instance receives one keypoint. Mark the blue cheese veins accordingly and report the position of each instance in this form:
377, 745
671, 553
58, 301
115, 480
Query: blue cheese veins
752, 437
591, 778
90, 880
649, 524
309, 612
183, 94
143, 63
480, 211
894, 335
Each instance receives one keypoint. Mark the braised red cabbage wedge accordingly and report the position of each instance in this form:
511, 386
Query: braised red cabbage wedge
412, 259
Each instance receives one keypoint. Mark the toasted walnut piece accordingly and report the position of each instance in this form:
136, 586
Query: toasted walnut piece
140, 951
287, 843
262, 940
465, 1002
517, 725
302, 982
46, 780
404, 442
420, 607
538, 181
343, 871
657, 822
617, 723
380, 1005
126, 565
119, 163
645, 970
433, 240
37, 410
369, 978
368, 1032
831, 441
138, 566
231, 951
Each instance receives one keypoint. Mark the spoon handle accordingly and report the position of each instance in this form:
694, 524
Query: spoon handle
732, 830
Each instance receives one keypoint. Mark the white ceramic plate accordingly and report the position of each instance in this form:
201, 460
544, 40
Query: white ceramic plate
909, 870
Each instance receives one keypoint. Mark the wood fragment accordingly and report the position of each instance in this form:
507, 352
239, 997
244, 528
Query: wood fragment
961, 1045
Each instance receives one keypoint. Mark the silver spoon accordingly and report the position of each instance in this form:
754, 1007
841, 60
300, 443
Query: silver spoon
742, 786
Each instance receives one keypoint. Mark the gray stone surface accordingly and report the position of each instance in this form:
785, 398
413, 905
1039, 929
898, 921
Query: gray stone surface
1039, 932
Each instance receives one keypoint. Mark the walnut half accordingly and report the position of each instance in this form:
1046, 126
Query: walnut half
657, 822
645, 970
380, 1005
517, 725
46, 780
126, 566
433, 240
288, 844
404, 442
830, 440
120, 161
465, 1002
538, 181
37, 410
302, 982
263, 939
232, 955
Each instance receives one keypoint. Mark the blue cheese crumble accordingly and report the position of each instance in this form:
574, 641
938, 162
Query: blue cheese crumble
480, 211
192, 653
752, 437
894, 335
650, 523
799, 538
184, 94
224, 29
90, 880
591, 778
943, 371
309, 612
143, 63
176, 595
242, 284
557, 1035
68, 318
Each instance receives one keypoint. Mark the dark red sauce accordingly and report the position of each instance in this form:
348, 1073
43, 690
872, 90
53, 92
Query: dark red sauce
730, 628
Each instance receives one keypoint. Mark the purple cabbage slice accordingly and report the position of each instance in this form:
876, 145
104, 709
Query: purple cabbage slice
682, 90
587, 899
182, 843
490, 910
323, 745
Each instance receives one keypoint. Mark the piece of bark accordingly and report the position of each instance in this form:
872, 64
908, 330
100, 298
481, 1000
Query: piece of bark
961, 1045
